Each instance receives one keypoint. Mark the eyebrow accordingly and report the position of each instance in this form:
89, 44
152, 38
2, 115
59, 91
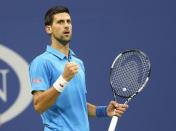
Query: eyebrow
62, 20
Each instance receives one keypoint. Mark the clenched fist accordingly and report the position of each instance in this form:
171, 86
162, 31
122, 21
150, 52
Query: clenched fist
70, 69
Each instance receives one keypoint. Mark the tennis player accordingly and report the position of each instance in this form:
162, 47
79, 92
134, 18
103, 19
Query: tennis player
58, 80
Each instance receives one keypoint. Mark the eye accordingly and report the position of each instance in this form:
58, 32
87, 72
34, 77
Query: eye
60, 22
69, 21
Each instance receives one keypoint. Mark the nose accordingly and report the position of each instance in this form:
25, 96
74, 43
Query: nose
67, 25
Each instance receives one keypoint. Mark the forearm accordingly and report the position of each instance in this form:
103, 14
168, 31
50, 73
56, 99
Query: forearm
98, 111
44, 100
91, 110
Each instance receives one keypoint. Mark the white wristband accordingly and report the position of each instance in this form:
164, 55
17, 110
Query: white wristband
60, 84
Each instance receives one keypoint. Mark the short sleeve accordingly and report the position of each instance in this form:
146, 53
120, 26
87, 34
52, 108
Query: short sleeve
39, 75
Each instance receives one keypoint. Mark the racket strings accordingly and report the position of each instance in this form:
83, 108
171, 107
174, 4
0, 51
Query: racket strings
129, 73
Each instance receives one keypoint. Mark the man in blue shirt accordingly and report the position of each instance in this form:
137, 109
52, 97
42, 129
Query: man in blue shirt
58, 81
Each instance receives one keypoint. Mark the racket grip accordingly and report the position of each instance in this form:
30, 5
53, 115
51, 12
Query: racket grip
113, 123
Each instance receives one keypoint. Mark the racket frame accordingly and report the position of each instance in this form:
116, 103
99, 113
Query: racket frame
115, 118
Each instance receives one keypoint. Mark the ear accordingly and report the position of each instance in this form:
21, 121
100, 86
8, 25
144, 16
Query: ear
48, 29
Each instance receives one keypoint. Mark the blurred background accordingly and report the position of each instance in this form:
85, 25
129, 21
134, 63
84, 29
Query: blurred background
101, 30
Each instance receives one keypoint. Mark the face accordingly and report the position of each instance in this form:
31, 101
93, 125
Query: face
61, 28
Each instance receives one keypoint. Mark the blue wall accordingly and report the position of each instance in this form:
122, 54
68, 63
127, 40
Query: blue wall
101, 29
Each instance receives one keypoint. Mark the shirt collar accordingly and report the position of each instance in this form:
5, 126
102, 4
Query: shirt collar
58, 53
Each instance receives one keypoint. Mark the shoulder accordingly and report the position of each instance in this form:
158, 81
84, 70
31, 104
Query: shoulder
41, 60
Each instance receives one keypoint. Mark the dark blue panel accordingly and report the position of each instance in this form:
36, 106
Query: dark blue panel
101, 30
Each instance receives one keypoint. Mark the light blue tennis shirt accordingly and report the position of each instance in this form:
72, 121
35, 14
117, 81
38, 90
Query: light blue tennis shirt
69, 113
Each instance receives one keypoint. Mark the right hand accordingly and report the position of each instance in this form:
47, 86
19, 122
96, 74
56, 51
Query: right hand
70, 69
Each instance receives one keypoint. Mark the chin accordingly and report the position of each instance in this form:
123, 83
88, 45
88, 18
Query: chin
64, 41
68, 39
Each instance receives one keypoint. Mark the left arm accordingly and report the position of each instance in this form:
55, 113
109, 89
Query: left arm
91, 110
112, 109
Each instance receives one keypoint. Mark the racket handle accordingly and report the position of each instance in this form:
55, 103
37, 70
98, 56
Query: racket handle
113, 123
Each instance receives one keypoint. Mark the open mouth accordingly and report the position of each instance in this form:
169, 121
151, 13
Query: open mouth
66, 32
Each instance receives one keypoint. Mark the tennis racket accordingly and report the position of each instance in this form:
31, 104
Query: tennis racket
129, 73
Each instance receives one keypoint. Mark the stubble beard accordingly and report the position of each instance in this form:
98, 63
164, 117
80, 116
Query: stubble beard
64, 41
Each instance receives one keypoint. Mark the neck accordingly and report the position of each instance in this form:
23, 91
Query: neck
60, 47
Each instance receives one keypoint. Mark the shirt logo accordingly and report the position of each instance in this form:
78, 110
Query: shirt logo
36, 80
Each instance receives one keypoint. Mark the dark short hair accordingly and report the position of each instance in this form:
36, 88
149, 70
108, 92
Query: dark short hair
52, 11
